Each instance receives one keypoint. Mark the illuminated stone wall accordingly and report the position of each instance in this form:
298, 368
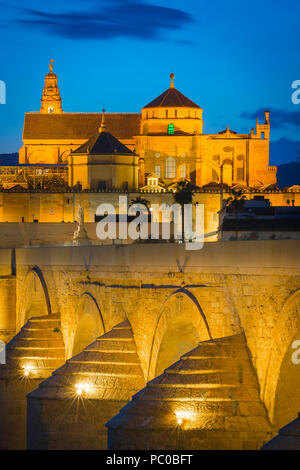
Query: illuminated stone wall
46, 207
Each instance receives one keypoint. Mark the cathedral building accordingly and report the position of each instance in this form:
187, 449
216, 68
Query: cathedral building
166, 139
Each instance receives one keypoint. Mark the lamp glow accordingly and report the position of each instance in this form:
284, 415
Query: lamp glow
27, 370
82, 388
183, 416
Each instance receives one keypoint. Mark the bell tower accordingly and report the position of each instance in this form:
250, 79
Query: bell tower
51, 100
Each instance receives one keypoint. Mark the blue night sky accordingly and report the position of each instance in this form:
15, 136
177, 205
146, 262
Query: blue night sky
233, 58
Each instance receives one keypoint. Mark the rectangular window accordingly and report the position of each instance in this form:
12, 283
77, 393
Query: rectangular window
157, 170
240, 174
171, 129
183, 171
170, 167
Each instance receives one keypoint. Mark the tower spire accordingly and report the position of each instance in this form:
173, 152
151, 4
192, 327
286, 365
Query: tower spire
51, 100
172, 76
103, 127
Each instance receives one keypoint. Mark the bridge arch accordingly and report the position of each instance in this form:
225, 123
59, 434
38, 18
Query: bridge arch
89, 324
282, 376
180, 326
34, 300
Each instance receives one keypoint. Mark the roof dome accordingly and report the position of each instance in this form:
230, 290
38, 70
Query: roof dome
172, 98
103, 143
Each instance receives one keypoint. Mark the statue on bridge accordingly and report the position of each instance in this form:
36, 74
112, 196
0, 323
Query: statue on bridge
80, 235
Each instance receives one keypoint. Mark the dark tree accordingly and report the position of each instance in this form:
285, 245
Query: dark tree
235, 204
184, 193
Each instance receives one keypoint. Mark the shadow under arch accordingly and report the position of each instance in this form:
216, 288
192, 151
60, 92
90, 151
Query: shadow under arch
89, 323
286, 327
35, 296
197, 318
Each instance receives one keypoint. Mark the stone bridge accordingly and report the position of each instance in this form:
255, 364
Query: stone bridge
122, 315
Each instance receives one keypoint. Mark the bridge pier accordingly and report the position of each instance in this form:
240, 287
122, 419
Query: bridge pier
31, 356
7, 308
70, 409
209, 400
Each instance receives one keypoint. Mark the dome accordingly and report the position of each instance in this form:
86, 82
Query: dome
172, 98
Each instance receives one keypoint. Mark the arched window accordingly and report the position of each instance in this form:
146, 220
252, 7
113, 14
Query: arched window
171, 129
170, 167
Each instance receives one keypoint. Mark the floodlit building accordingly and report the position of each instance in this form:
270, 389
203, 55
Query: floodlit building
167, 136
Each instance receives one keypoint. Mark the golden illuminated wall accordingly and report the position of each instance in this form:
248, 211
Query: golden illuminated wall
62, 207
112, 171
183, 151
45, 151
158, 152
184, 119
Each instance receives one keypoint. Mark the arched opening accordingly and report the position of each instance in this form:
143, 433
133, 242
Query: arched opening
89, 323
282, 377
178, 340
287, 399
181, 325
35, 298
214, 176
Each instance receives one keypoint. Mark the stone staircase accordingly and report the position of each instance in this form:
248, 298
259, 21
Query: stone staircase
207, 400
107, 373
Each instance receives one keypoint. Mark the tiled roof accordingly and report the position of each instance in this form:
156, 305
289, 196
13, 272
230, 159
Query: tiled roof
172, 98
77, 126
103, 143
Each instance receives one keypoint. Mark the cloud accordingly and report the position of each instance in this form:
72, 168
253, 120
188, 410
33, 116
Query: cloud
113, 19
279, 118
